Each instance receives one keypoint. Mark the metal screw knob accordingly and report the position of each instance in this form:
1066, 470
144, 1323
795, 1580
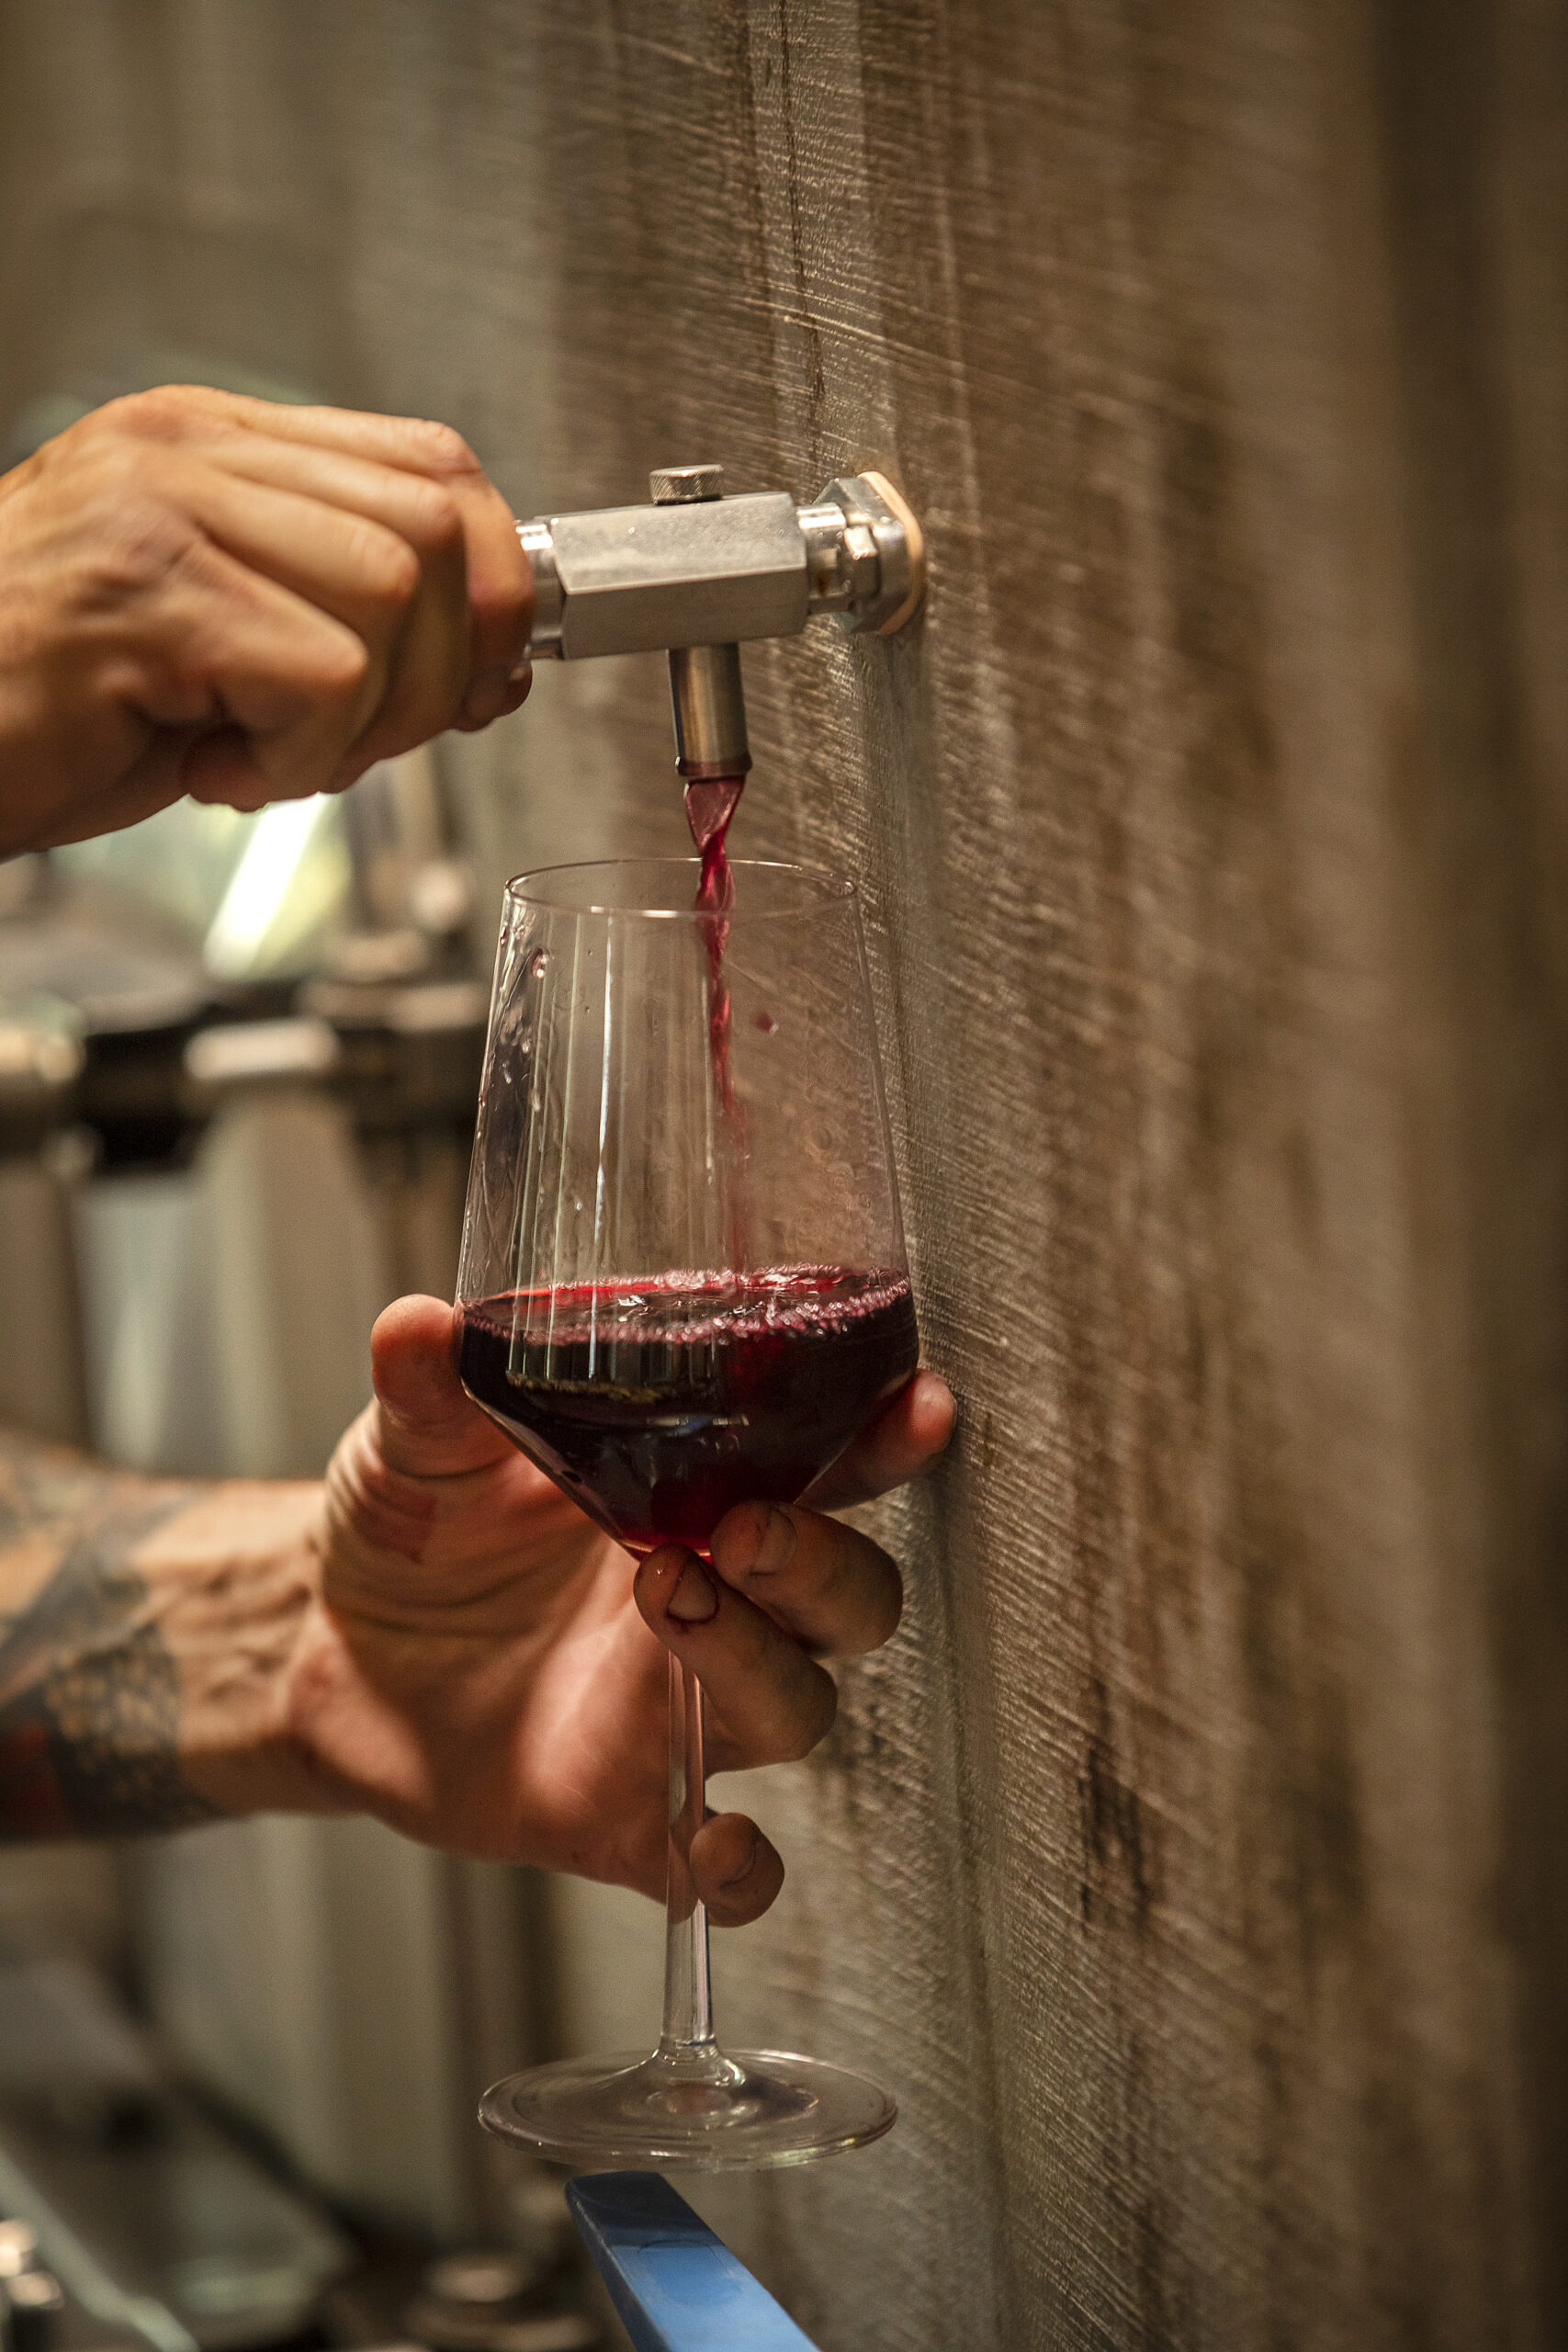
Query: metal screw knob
684, 485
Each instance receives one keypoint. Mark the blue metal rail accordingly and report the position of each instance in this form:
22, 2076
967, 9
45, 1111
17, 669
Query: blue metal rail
677, 2288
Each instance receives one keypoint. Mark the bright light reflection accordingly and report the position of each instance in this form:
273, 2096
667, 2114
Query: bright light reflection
280, 842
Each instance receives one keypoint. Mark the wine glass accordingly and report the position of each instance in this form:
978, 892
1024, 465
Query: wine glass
683, 1287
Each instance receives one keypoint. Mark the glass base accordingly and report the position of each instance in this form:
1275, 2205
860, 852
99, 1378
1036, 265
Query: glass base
688, 2109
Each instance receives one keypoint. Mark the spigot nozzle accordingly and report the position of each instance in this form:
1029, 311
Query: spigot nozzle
708, 706
707, 702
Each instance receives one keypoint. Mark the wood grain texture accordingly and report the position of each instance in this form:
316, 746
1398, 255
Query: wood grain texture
1194, 1864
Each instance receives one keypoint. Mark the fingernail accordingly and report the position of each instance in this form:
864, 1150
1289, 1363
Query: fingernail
522, 674
775, 1542
693, 1599
748, 1864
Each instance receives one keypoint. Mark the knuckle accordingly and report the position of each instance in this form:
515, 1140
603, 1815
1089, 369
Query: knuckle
340, 664
140, 543
738, 1539
757, 1642
434, 517
115, 467
441, 447
391, 569
164, 413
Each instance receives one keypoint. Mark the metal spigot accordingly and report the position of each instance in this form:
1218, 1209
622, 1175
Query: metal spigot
697, 574
707, 702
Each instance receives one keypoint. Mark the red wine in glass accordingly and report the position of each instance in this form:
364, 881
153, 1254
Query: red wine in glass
659, 1405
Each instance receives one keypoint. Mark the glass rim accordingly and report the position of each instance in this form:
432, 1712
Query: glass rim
573, 890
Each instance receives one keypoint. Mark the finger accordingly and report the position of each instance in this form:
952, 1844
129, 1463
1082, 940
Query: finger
826, 1584
768, 1701
177, 413
364, 566
385, 551
461, 664
349, 566
410, 503
388, 560
736, 1869
495, 694
413, 444
500, 584
222, 769
285, 683
429, 674
428, 1426
904, 1439
424, 1478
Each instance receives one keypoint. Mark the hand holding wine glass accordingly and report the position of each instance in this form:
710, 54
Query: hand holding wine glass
484, 1675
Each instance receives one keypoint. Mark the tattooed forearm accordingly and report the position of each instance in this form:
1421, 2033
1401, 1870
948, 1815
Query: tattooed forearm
90, 1697
45, 1487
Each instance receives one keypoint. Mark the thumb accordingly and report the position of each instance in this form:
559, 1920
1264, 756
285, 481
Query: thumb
426, 1426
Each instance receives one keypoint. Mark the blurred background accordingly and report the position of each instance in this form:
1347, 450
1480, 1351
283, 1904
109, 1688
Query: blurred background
1193, 1866
239, 1058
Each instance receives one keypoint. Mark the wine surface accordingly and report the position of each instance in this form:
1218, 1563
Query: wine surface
659, 1405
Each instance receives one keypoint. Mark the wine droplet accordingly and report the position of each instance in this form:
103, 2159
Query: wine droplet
538, 963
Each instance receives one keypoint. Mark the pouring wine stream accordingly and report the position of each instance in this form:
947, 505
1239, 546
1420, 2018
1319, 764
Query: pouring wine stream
687, 2037
711, 804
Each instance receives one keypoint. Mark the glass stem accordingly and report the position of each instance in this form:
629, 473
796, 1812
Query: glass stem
688, 1996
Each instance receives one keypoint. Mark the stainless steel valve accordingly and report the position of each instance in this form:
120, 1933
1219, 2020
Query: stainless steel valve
697, 574
706, 569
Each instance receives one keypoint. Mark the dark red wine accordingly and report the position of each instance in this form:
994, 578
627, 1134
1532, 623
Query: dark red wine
658, 1405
